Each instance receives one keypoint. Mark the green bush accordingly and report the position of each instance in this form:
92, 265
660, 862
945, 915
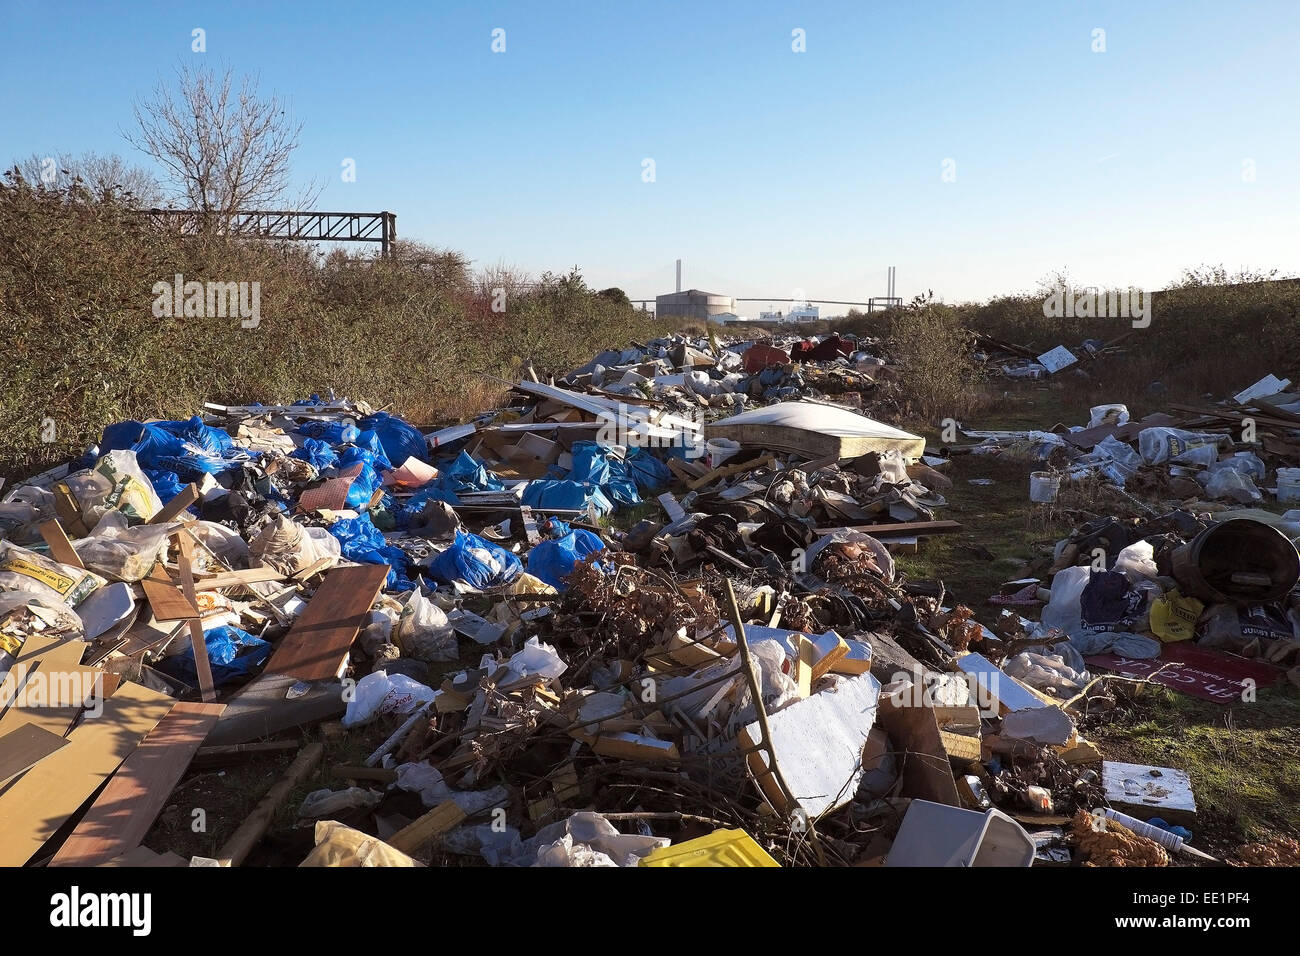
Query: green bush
413, 333
933, 348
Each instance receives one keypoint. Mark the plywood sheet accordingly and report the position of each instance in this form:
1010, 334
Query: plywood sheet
127, 807
317, 643
24, 748
38, 802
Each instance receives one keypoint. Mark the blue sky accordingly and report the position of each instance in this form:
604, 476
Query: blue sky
775, 170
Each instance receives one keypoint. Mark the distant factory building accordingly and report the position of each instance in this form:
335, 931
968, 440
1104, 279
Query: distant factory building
694, 304
798, 313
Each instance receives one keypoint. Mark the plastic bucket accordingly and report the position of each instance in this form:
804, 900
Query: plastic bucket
1228, 563
1043, 486
718, 450
1288, 484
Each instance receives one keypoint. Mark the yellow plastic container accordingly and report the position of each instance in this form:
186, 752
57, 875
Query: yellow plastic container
719, 848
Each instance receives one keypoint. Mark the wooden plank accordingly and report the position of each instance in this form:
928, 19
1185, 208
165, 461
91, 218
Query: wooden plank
199, 644
671, 507
229, 753
686, 471
959, 746
803, 668
317, 645
260, 708
69, 512
727, 471
230, 579
317, 566
628, 746
250, 832
924, 764
187, 496
57, 662
531, 534
24, 748
166, 600
921, 528
434, 823
61, 548
127, 807
38, 802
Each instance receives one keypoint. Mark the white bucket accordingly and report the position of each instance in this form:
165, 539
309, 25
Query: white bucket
1043, 486
1288, 484
718, 450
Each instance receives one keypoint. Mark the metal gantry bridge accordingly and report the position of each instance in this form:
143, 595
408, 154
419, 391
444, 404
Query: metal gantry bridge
380, 227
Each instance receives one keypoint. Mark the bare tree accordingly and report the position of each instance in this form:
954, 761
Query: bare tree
100, 174
223, 147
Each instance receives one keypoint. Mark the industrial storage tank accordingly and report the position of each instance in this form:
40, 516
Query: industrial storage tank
694, 304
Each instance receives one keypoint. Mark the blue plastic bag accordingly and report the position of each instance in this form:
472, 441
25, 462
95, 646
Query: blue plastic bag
316, 453
361, 541
553, 560
649, 473
368, 441
232, 654
190, 449
363, 486
545, 494
400, 440
476, 561
463, 474
335, 433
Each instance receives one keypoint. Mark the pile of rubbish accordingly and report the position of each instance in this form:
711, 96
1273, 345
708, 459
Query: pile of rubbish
1011, 361
645, 614
1240, 453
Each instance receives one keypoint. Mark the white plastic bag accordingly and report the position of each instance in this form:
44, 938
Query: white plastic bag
1233, 485
129, 489
537, 658
1137, 562
423, 631
378, 693
1114, 414
122, 553
1062, 610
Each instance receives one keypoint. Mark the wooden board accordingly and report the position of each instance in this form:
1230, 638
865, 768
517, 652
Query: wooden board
437, 821
1144, 792
260, 708
905, 528
924, 764
24, 748
230, 579
127, 807
166, 599
52, 659
317, 645
38, 802
187, 496
198, 643
61, 548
